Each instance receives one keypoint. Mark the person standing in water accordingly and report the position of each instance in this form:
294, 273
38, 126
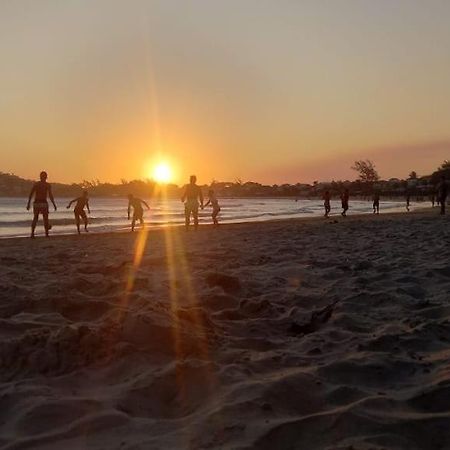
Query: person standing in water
326, 203
191, 197
79, 212
345, 196
138, 211
41, 190
442, 191
212, 200
376, 203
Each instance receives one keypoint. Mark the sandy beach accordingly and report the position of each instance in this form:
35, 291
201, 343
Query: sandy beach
316, 334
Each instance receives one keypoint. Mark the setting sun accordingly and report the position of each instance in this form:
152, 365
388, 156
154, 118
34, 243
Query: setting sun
162, 173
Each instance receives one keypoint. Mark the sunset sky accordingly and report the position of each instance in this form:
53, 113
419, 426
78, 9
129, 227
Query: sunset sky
271, 91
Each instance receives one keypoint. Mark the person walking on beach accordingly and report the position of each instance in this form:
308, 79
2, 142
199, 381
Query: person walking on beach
408, 200
191, 197
138, 211
79, 212
41, 190
442, 191
326, 203
376, 203
212, 200
345, 196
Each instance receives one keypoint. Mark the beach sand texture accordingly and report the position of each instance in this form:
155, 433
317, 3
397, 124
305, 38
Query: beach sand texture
283, 335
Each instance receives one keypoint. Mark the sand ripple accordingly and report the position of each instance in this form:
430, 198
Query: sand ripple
222, 343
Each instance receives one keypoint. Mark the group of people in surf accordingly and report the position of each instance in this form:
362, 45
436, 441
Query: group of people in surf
192, 199
345, 199
439, 197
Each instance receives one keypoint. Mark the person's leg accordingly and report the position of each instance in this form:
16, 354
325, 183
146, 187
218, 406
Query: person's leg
141, 221
187, 217
133, 221
77, 222
46, 223
195, 214
34, 223
85, 220
214, 217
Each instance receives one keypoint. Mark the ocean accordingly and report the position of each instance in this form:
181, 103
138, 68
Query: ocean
110, 214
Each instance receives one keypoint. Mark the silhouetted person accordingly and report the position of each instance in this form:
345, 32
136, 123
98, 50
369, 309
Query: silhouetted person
408, 200
191, 197
326, 203
79, 212
345, 196
442, 192
212, 200
433, 198
41, 190
376, 203
138, 211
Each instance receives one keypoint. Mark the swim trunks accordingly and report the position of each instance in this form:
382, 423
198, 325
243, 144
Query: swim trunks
191, 207
40, 208
80, 213
138, 214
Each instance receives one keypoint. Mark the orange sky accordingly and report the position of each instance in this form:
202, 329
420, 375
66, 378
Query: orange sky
267, 91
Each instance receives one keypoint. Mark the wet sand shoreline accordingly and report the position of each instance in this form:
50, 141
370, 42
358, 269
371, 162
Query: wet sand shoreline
161, 228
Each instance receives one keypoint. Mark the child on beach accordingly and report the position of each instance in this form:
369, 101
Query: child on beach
79, 212
326, 203
41, 189
212, 200
138, 211
376, 203
344, 199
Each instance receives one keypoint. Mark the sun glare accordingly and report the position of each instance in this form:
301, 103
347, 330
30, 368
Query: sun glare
162, 173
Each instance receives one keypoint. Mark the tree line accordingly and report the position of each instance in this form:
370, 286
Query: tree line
367, 182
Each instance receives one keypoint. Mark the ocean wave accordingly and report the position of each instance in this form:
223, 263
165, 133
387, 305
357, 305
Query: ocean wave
112, 214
